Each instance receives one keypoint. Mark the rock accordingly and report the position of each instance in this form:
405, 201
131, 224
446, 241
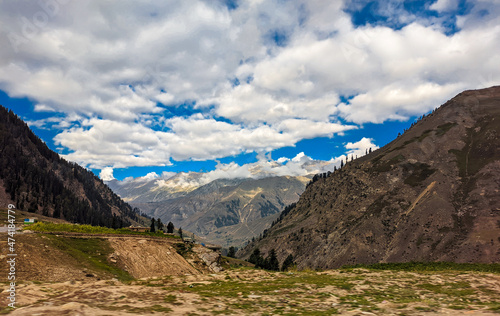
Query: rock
210, 258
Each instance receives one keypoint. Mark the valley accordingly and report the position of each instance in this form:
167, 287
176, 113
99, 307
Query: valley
228, 212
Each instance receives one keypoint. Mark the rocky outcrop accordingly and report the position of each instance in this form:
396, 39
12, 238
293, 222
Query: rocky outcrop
210, 257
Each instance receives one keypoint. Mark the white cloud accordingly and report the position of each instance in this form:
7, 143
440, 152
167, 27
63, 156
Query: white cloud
395, 102
100, 143
444, 5
360, 148
121, 73
43, 108
151, 176
106, 174
265, 166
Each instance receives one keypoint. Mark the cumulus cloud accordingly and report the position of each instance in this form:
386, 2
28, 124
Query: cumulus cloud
444, 5
360, 147
265, 166
124, 79
106, 174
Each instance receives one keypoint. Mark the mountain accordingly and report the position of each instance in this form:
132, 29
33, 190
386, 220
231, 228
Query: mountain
432, 194
154, 189
225, 211
37, 179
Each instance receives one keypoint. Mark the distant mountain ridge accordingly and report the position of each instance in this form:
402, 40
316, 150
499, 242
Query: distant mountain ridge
156, 189
37, 179
225, 211
432, 194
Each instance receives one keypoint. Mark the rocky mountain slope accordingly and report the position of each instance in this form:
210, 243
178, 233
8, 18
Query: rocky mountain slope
146, 190
432, 194
36, 179
225, 211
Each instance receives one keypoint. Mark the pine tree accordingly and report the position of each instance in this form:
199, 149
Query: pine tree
170, 228
272, 262
287, 263
232, 252
152, 229
159, 224
255, 256
180, 233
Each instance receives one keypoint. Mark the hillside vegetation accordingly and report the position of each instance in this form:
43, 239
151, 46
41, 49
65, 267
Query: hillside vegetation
36, 179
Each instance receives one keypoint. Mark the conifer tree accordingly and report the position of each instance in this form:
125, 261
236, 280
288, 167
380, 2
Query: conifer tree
272, 262
287, 263
159, 224
152, 229
255, 257
232, 252
170, 228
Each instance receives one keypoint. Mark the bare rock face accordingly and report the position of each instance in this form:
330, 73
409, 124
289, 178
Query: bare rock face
432, 194
210, 258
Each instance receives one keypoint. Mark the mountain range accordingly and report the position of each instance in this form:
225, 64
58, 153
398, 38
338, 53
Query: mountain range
225, 211
432, 194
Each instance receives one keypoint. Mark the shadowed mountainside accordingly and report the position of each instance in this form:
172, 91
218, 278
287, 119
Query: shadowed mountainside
36, 179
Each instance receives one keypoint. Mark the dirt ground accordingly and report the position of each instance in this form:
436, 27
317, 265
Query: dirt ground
80, 275
147, 258
256, 292
40, 259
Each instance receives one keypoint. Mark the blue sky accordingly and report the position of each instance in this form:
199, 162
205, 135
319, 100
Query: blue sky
236, 88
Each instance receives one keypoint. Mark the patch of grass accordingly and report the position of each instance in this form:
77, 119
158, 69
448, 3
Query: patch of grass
419, 172
171, 299
430, 266
183, 249
458, 289
442, 129
378, 205
91, 253
395, 294
330, 311
420, 138
137, 310
88, 229
288, 283
424, 135
494, 306
384, 166
424, 308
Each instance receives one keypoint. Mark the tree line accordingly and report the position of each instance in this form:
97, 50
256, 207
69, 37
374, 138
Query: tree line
271, 262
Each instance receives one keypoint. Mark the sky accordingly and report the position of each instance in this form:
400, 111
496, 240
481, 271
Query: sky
236, 88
